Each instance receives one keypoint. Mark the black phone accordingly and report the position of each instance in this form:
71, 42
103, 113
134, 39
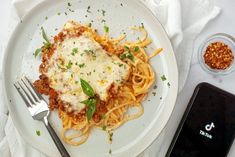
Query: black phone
207, 128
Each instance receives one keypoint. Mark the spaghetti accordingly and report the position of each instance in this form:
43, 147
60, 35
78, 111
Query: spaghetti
111, 113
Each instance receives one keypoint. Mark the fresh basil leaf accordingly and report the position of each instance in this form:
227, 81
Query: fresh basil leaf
88, 101
46, 45
91, 107
44, 35
37, 51
87, 89
90, 111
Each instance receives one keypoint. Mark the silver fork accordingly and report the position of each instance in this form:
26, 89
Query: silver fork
38, 109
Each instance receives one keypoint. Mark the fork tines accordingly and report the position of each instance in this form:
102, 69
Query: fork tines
27, 91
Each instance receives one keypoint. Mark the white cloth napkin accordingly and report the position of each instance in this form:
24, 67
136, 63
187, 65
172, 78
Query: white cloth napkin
183, 21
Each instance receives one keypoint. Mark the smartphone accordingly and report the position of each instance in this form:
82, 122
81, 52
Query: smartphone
207, 128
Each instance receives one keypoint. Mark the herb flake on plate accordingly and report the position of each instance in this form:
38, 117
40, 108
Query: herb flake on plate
88, 9
163, 78
103, 12
106, 29
38, 132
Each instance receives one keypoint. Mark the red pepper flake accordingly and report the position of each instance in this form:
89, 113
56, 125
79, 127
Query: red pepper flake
218, 56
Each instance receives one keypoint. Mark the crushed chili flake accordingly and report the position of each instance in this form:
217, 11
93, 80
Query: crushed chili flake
218, 56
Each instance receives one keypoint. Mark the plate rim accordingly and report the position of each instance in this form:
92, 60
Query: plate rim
10, 108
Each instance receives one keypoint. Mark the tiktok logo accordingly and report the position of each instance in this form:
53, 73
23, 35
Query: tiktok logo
208, 127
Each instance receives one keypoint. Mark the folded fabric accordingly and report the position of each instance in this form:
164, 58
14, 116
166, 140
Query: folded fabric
183, 21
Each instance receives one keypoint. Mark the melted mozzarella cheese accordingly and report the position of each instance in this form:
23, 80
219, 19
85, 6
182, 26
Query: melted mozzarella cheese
82, 57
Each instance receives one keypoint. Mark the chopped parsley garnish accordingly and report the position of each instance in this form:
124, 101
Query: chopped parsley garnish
76, 82
126, 48
154, 93
88, 74
59, 66
110, 151
71, 10
121, 4
103, 12
74, 51
119, 64
103, 21
110, 136
69, 65
104, 127
160, 98
155, 87
142, 24
89, 51
106, 29
38, 132
136, 49
168, 84
88, 9
89, 25
58, 13
81, 65
163, 77
128, 54
69, 4
46, 18
37, 52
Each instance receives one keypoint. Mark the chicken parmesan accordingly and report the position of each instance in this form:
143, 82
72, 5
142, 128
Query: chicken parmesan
93, 80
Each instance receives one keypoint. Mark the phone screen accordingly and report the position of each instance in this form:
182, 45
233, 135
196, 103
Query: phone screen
208, 126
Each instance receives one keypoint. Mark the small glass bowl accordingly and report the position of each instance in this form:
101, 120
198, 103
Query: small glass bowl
220, 37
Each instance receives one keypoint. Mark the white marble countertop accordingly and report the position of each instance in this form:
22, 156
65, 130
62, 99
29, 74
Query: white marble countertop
225, 23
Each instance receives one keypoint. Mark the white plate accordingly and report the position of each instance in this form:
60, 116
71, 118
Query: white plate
134, 136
